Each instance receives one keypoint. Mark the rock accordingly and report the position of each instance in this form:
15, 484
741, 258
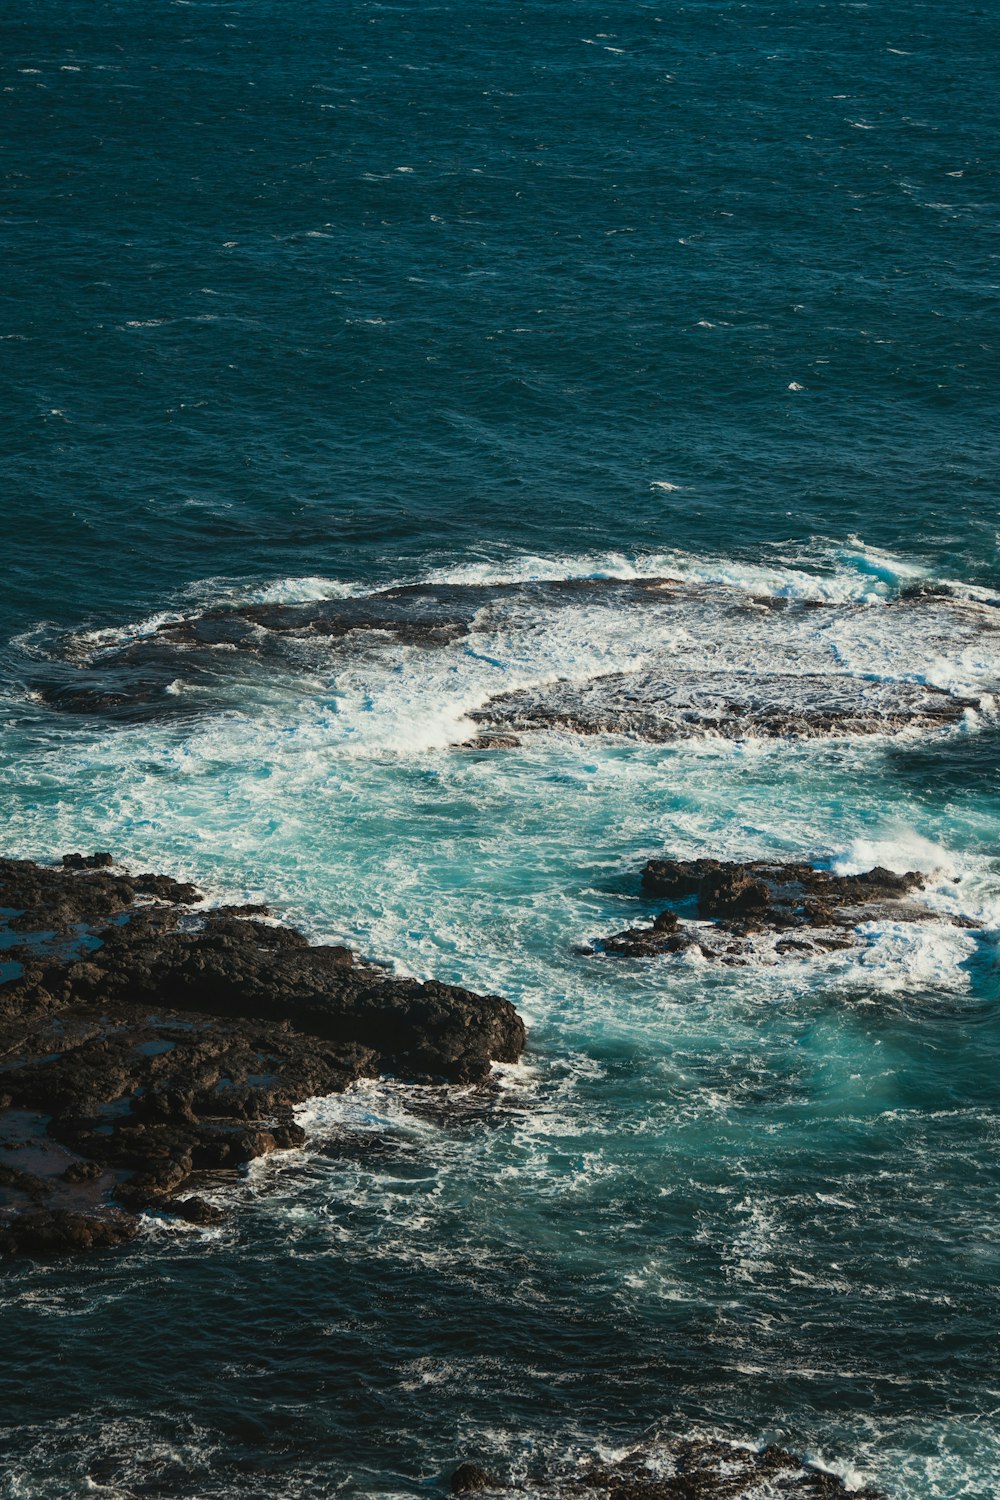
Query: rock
165, 889
133, 680
195, 1210
86, 861
676, 878
488, 741
469, 1479
682, 692
693, 1468
732, 893
60, 1233
736, 903
665, 703
182, 1042
82, 1171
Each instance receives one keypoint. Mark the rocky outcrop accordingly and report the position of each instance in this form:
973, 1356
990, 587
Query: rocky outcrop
470, 1479
681, 1469
143, 1040
708, 652
133, 677
725, 906
664, 703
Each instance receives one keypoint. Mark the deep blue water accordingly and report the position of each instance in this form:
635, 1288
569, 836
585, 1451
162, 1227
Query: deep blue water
315, 296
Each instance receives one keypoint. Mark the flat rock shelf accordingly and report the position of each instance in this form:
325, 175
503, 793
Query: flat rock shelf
664, 703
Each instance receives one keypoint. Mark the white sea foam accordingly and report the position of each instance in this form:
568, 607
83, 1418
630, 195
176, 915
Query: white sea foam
904, 850
834, 584
907, 956
105, 638
855, 573
291, 590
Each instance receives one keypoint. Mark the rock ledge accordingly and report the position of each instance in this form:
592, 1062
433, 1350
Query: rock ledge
143, 1039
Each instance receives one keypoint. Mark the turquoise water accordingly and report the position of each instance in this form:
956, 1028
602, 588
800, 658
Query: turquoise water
307, 301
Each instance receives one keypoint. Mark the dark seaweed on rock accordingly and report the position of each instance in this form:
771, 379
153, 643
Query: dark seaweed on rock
663, 703
144, 1040
808, 911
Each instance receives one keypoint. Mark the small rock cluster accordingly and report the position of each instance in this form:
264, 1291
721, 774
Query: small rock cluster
805, 910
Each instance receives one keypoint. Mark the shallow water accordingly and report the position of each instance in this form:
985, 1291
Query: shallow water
307, 303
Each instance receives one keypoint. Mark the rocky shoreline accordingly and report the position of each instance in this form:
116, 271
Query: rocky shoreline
726, 907
145, 1039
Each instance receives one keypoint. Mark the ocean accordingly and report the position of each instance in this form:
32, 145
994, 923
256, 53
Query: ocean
307, 302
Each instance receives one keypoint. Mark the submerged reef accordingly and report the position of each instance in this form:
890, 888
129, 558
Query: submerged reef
804, 911
144, 1039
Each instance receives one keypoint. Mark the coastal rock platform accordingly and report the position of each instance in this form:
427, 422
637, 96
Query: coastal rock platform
654, 658
143, 1040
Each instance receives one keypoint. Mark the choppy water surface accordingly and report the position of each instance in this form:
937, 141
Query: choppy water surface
309, 303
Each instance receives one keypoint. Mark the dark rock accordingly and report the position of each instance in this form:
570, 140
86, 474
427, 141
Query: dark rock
676, 878
86, 861
23, 1184
181, 1041
49, 1233
82, 1171
469, 1479
732, 893
737, 902
491, 742
195, 1210
165, 889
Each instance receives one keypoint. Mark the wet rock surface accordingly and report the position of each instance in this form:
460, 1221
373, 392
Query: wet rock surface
470, 1479
687, 1469
726, 906
664, 703
143, 1040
